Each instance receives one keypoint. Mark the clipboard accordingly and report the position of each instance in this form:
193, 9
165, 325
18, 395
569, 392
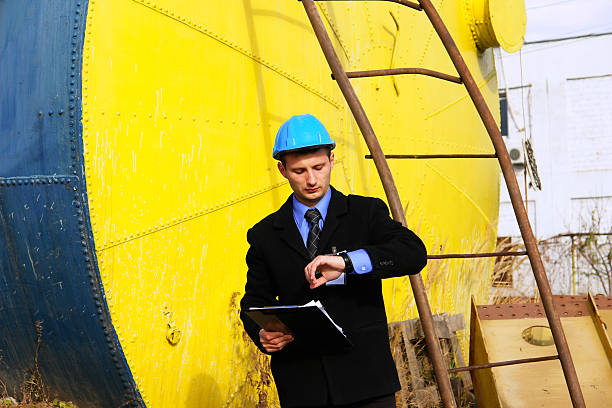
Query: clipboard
310, 325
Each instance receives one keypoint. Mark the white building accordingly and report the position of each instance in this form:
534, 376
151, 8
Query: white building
558, 94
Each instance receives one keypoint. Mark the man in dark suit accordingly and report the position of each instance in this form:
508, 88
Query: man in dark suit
288, 265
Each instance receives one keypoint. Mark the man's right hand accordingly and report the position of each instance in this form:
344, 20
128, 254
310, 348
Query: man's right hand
274, 341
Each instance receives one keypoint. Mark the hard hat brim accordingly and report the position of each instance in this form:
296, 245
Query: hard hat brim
331, 146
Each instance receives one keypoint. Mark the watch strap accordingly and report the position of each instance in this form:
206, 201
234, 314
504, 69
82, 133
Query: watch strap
348, 264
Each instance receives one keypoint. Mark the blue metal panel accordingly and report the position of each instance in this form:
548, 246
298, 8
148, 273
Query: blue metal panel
45, 277
36, 60
48, 269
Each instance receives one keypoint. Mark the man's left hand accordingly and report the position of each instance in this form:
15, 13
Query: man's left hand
330, 266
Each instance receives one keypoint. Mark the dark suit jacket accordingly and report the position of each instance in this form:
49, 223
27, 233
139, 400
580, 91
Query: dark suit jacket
276, 260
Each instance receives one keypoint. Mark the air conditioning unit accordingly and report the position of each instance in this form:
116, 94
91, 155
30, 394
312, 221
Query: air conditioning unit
516, 152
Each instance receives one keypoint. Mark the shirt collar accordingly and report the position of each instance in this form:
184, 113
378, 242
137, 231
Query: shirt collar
299, 209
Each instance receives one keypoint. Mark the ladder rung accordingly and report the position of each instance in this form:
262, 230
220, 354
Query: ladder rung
503, 363
437, 156
403, 71
478, 255
406, 3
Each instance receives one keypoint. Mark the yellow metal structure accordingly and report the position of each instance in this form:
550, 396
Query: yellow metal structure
497, 23
496, 335
181, 102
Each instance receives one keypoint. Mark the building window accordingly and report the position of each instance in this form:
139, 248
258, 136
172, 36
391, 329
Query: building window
503, 112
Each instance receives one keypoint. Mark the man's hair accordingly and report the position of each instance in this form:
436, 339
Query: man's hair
303, 152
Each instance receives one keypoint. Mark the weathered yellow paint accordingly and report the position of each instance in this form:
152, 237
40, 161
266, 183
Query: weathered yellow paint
600, 327
181, 102
485, 386
542, 384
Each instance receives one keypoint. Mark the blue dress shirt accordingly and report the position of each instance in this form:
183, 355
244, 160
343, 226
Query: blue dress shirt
360, 258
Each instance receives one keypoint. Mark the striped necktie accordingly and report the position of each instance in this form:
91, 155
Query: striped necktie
312, 243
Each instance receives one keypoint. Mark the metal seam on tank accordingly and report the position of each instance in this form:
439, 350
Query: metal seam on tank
369, 22
421, 94
36, 179
179, 220
208, 32
469, 17
465, 95
430, 32
460, 190
335, 30
95, 282
465, 148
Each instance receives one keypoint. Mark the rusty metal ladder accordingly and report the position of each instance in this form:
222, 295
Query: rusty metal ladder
441, 369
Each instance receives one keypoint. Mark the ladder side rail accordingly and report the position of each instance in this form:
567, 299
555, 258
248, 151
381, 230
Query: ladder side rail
416, 281
565, 357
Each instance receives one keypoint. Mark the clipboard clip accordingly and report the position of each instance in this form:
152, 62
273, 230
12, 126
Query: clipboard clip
334, 251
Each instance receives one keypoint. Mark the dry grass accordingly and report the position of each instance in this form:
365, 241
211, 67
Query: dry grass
451, 283
253, 385
32, 393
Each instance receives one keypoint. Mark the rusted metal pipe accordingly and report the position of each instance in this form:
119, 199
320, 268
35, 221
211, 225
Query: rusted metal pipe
437, 156
416, 281
406, 3
502, 363
402, 71
515, 197
479, 255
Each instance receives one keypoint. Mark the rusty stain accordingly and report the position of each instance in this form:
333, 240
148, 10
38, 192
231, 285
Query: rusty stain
566, 306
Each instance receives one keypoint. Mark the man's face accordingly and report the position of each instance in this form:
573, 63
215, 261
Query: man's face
308, 174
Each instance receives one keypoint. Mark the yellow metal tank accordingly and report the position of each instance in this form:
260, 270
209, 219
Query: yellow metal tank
181, 102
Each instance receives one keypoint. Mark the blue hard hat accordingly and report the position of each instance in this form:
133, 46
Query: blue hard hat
300, 132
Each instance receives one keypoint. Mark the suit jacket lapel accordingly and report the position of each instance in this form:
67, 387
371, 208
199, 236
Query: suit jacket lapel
337, 208
289, 233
